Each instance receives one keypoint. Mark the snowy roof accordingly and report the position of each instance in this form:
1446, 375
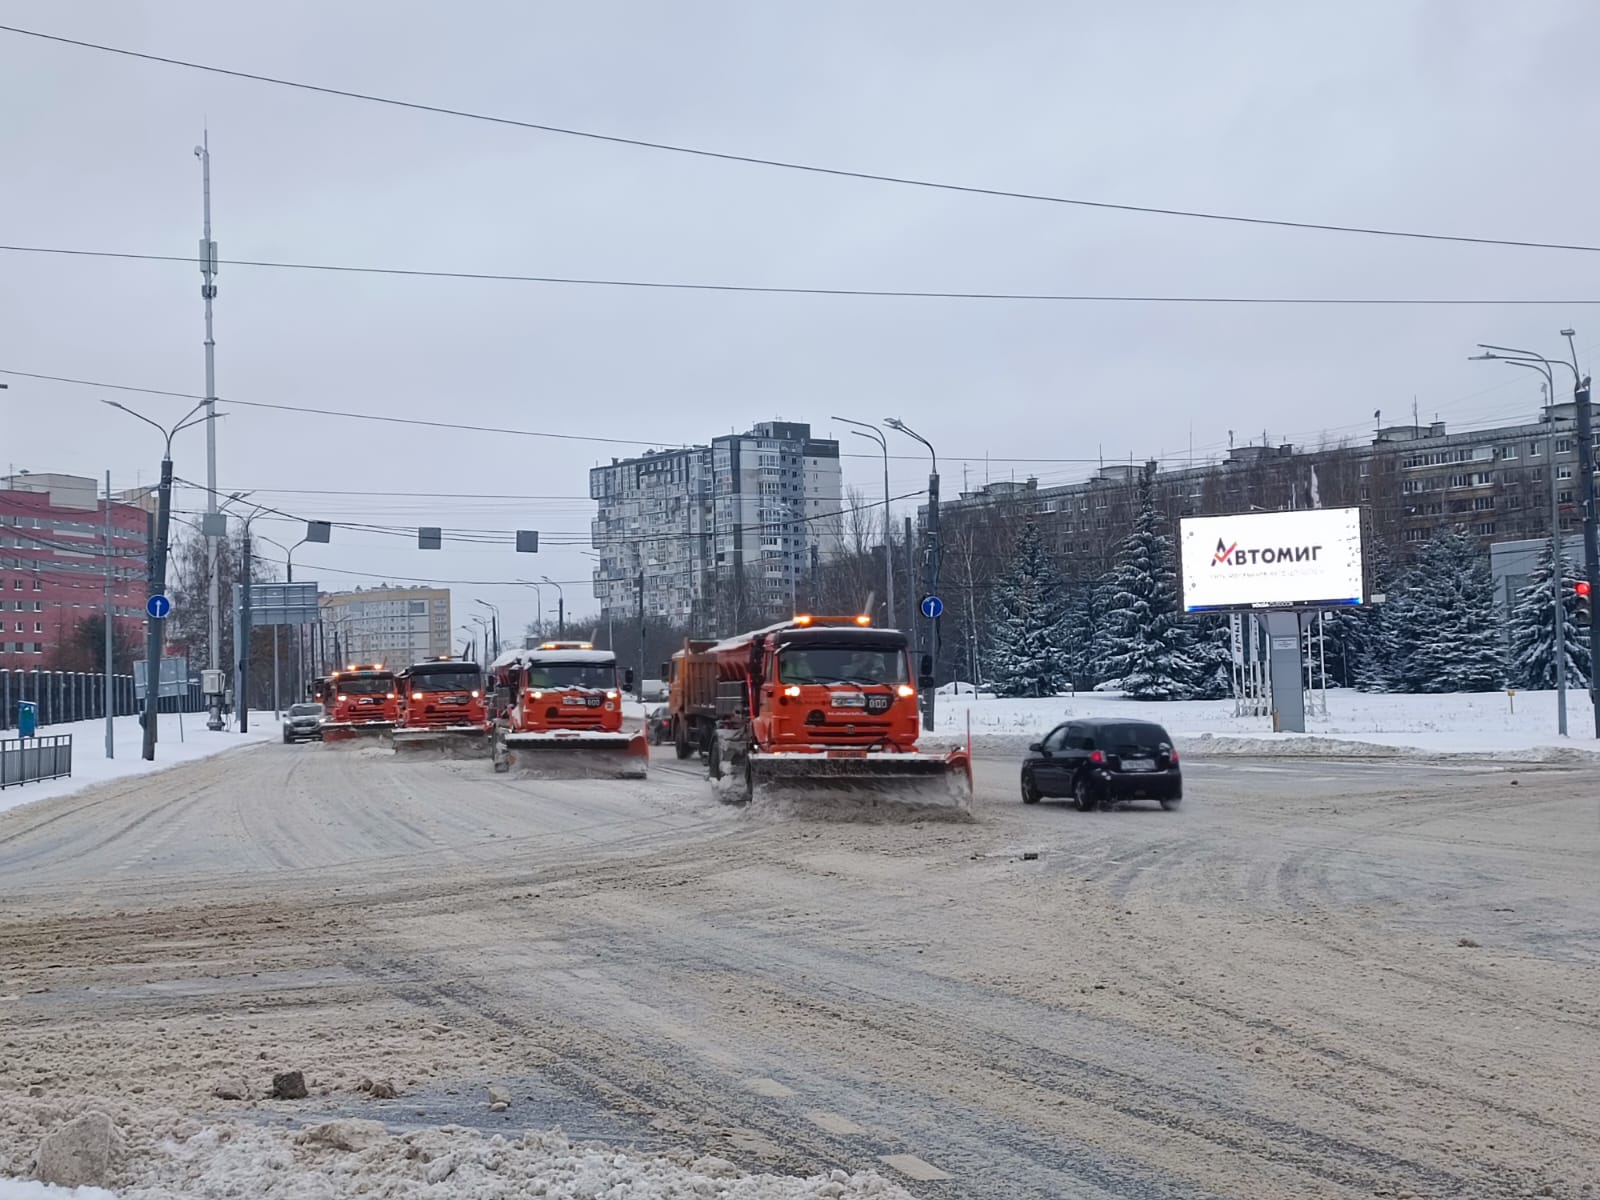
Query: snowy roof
821, 630
603, 658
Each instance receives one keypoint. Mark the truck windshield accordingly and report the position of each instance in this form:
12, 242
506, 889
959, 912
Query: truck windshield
841, 664
370, 685
572, 675
445, 681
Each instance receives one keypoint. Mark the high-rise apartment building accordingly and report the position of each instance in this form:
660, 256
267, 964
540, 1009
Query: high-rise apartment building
392, 625
716, 535
53, 564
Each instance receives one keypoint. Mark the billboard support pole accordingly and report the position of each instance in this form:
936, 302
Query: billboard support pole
1284, 658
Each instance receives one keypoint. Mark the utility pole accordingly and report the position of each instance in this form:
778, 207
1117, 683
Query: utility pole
155, 640
1557, 573
208, 292
111, 570
930, 565
1591, 536
639, 678
243, 698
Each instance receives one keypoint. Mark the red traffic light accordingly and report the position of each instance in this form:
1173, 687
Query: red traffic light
1581, 587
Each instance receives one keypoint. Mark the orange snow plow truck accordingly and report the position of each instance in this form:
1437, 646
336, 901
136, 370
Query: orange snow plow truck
817, 707
559, 714
443, 709
360, 702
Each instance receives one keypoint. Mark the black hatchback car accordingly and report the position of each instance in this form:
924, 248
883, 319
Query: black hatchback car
1103, 762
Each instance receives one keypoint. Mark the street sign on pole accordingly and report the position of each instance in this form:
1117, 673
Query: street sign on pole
158, 606
932, 607
174, 677
283, 603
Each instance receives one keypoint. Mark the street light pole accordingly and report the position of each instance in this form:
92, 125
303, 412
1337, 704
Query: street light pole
561, 607
539, 594
930, 567
1591, 535
156, 625
496, 627
1559, 613
873, 433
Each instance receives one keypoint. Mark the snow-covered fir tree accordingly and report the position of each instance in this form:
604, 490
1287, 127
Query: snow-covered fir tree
1085, 629
1531, 627
1148, 646
1212, 651
1027, 641
1440, 634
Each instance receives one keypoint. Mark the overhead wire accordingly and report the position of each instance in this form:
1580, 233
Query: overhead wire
859, 293
797, 166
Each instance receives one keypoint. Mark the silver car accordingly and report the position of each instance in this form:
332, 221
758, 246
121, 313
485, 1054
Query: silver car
303, 723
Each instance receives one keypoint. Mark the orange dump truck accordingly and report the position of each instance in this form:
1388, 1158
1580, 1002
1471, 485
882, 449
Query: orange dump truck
559, 714
361, 701
443, 707
816, 706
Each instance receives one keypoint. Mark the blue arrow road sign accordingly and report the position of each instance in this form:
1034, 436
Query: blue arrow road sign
158, 606
932, 607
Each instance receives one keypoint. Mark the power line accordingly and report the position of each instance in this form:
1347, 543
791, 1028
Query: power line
863, 293
790, 165
457, 425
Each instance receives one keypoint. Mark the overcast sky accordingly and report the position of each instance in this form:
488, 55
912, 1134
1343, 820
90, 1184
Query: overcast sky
1451, 116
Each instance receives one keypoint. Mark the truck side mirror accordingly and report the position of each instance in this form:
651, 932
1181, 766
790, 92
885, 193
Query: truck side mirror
666, 672
627, 680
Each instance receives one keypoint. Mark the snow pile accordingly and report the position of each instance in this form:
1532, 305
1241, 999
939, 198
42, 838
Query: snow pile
91, 766
171, 1156
1358, 723
32, 1189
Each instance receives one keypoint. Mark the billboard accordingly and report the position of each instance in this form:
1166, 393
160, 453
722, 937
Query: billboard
1305, 559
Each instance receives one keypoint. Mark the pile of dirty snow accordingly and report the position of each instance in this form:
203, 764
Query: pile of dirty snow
157, 1155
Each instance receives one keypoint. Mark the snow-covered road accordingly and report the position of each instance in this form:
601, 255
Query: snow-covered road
1315, 979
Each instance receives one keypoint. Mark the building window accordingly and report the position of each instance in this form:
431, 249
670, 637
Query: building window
38, 605
1419, 535
1461, 481
1511, 452
1533, 452
16, 586
1564, 496
1514, 501
1563, 473
1487, 528
21, 626
1484, 502
38, 586
1563, 446
38, 647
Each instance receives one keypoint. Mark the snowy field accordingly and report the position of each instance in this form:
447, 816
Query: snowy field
91, 766
1356, 723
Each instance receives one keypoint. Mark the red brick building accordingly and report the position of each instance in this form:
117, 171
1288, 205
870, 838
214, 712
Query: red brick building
53, 567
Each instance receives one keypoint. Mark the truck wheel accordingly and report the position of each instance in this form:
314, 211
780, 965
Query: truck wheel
748, 792
680, 739
714, 759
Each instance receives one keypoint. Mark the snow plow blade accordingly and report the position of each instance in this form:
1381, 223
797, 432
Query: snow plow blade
458, 741
349, 736
913, 783
572, 755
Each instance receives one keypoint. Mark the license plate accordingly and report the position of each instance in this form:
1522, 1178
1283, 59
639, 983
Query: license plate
578, 700
369, 702
1138, 764
454, 700
850, 700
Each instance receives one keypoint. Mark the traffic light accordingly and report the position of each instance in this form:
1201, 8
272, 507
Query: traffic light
1580, 590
